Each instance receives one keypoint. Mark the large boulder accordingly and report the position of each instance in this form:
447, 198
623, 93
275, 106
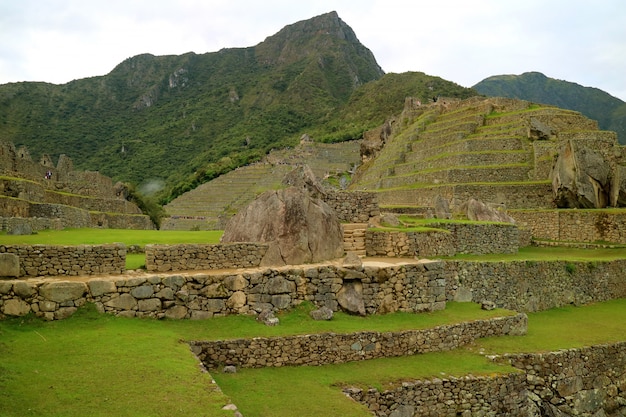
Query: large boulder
298, 227
581, 177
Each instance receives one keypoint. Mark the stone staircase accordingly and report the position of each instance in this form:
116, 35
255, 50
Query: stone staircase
354, 238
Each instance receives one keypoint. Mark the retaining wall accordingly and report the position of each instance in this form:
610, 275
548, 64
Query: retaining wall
54, 260
353, 206
586, 382
412, 288
186, 257
534, 286
574, 225
579, 382
327, 348
461, 238
501, 395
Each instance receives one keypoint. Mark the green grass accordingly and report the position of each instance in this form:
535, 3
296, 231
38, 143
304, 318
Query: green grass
89, 236
533, 253
100, 365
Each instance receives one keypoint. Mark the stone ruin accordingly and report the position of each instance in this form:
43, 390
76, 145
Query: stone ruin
40, 195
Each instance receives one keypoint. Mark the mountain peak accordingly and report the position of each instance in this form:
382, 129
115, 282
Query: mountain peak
319, 36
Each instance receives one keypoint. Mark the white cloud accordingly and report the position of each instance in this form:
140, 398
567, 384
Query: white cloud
463, 41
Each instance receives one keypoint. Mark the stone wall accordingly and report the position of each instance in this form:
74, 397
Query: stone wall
574, 225
586, 382
579, 382
48, 260
328, 348
501, 395
459, 238
353, 206
413, 287
535, 286
409, 244
522, 196
186, 257
11, 224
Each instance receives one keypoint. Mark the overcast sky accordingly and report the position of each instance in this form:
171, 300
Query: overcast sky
464, 41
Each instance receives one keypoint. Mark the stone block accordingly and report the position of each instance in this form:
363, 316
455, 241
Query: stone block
150, 304
9, 265
16, 307
99, 287
123, 302
5, 287
144, 291
63, 291
176, 312
24, 289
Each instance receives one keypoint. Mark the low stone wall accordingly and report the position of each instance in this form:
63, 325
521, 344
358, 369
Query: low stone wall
353, 206
49, 260
579, 382
409, 244
11, 224
327, 348
461, 238
186, 257
502, 395
586, 382
412, 288
120, 221
574, 225
534, 286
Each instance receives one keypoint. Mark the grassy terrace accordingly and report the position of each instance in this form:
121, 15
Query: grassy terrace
101, 365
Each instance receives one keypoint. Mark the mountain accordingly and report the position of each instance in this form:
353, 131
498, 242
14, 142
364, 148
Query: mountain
609, 111
179, 121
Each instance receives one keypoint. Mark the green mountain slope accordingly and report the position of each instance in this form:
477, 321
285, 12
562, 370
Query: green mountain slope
183, 120
609, 111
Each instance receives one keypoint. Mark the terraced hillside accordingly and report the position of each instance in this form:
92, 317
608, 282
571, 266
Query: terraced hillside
210, 205
493, 149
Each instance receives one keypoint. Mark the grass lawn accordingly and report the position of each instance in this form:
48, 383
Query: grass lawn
88, 236
100, 365
129, 237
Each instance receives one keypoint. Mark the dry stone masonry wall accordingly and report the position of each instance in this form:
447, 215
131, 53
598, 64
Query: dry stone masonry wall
536, 286
574, 225
412, 288
186, 257
456, 238
353, 206
327, 348
53, 260
502, 395
589, 381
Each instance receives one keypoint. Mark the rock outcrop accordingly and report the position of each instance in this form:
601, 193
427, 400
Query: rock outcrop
298, 227
582, 177
479, 211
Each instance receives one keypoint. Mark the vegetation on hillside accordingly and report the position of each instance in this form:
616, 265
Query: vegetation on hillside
183, 120
609, 111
